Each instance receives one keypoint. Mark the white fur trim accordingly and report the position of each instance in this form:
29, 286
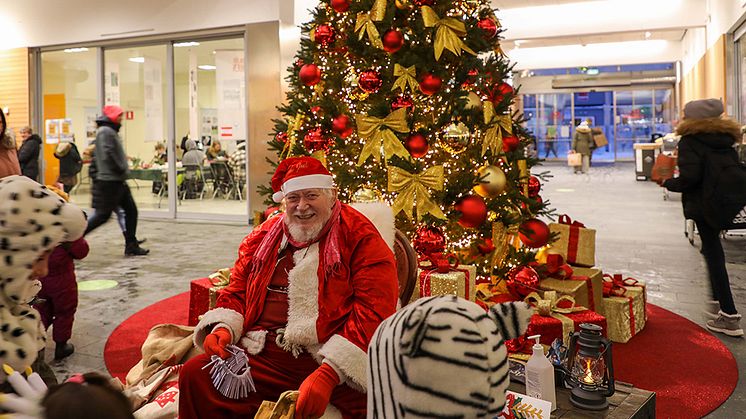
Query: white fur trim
254, 341
381, 215
303, 297
231, 318
303, 182
346, 356
331, 412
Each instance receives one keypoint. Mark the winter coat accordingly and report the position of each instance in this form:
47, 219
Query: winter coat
332, 315
28, 156
61, 261
9, 160
193, 156
698, 136
111, 160
70, 160
582, 141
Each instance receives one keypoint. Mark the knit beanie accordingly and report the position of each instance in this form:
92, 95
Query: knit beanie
705, 108
112, 112
33, 220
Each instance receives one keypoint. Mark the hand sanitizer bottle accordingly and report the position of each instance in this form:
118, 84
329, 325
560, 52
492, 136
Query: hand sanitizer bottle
540, 375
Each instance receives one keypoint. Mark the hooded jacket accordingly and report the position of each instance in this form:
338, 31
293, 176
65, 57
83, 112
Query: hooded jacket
193, 156
28, 156
110, 158
582, 141
8, 158
70, 161
698, 136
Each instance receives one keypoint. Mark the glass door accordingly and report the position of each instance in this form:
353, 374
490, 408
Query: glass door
596, 108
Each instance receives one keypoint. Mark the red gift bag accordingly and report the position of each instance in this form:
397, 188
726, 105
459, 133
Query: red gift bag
663, 168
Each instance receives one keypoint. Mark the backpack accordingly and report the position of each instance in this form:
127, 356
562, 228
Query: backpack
723, 187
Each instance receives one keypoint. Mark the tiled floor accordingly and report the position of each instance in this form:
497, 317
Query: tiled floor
639, 234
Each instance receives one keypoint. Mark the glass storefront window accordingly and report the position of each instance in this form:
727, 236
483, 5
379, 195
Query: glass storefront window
135, 79
69, 92
210, 98
664, 111
550, 121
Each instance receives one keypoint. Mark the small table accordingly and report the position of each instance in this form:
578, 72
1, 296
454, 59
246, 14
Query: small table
627, 402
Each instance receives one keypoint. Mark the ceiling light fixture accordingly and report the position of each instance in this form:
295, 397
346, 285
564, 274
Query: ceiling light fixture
79, 49
206, 67
186, 44
648, 34
137, 59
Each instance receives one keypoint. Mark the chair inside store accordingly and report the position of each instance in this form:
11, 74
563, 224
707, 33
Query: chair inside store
223, 182
193, 185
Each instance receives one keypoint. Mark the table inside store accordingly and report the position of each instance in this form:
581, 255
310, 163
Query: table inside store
154, 175
627, 402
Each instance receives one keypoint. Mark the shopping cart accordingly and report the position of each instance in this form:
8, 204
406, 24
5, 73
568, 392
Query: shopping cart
737, 227
669, 145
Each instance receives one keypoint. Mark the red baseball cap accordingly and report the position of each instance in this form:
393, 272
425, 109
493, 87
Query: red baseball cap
296, 173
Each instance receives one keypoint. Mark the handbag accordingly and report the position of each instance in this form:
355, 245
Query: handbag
283, 408
574, 159
663, 168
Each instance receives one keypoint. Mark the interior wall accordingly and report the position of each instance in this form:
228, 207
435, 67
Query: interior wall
14, 88
706, 78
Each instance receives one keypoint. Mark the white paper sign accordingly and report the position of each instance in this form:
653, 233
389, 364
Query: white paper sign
66, 130
111, 84
193, 96
153, 95
231, 93
521, 406
52, 131
90, 125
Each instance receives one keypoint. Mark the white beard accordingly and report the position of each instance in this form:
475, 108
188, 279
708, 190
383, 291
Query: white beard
303, 234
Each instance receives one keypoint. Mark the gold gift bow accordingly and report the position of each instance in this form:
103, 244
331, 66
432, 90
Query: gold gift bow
406, 76
294, 125
447, 33
493, 136
364, 23
376, 130
221, 278
547, 307
412, 190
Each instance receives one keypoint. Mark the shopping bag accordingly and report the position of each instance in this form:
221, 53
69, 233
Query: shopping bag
283, 408
600, 139
574, 159
663, 168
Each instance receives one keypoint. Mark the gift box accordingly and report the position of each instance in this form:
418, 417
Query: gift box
459, 280
203, 294
624, 306
576, 243
585, 285
559, 316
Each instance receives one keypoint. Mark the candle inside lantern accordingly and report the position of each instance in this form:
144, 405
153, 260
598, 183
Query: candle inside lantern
588, 378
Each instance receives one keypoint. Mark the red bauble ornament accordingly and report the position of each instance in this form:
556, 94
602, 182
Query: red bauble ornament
510, 143
341, 126
429, 240
488, 27
309, 74
392, 40
324, 34
430, 84
282, 137
534, 186
421, 3
417, 145
370, 81
534, 233
402, 102
485, 246
499, 92
340, 6
473, 211
522, 281
316, 141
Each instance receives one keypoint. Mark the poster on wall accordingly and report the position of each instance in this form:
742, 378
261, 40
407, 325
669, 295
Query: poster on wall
209, 123
231, 94
194, 130
90, 125
111, 84
66, 130
52, 131
153, 98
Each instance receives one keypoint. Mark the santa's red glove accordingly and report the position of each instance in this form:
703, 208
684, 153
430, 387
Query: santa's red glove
315, 392
216, 342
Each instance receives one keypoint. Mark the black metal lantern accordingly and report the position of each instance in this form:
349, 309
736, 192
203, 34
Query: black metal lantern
590, 371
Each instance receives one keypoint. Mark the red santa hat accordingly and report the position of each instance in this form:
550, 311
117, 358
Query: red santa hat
112, 112
296, 173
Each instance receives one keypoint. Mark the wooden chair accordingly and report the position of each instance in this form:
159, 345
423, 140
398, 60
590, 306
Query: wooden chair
406, 266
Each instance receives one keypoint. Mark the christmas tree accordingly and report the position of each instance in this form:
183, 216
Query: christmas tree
407, 101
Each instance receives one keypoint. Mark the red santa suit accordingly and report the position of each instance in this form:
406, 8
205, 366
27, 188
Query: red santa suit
332, 312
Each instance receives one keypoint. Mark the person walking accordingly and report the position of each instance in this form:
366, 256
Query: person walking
70, 164
582, 143
110, 189
28, 153
706, 138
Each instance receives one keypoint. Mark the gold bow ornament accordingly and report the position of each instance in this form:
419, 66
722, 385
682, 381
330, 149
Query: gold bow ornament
364, 23
405, 76
448, 33
548, 306
294, 124
378, 131
412, 191
493, 136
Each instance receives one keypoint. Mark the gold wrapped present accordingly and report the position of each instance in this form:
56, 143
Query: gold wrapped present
585, 286
624, 307
459, 280
576, 243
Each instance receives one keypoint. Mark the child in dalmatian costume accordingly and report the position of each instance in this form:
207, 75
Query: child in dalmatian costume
33, 221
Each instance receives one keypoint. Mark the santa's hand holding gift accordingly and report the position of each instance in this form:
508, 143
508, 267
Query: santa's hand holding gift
307, 292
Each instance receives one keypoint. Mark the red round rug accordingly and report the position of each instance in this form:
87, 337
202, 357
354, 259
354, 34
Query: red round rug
691, 371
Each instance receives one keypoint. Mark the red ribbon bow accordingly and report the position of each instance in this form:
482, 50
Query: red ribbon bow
441, 262
613, 289
565, 219
554, 267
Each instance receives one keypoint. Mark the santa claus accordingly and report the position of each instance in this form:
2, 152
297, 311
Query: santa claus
307, 292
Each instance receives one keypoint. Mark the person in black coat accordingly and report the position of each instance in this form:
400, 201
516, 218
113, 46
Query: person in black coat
70, 164
28, 153
703, 131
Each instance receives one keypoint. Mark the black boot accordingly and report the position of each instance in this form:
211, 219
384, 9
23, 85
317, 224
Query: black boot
134, 249
138, 242
63, 350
